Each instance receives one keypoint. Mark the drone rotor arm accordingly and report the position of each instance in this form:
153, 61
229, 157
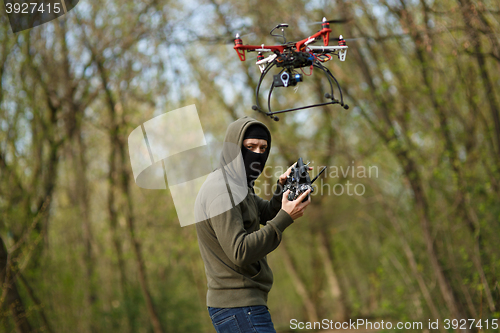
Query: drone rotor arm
268, 48
322, 33
327, 49
341, 51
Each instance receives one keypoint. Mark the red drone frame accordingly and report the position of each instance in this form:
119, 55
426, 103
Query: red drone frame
295, 55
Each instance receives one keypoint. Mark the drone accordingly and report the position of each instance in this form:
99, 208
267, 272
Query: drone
293, 56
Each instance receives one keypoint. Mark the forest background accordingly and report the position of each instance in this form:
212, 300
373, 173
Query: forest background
84, 249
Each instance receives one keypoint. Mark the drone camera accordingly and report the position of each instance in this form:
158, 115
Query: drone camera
286, 80
285, 77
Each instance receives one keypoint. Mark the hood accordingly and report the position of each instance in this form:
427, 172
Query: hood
231, 157
227, 184
236, 130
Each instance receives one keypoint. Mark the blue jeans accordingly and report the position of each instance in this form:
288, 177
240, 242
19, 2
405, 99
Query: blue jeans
248, 319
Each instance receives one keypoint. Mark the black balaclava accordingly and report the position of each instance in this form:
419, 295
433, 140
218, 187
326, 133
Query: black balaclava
254, 162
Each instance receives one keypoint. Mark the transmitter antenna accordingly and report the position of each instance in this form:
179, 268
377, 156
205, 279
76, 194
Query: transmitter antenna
318, 175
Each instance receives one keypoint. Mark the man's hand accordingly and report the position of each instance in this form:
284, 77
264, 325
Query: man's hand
295, 208
283, 177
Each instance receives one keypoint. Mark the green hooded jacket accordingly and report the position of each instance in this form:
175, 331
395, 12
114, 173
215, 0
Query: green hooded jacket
233, 246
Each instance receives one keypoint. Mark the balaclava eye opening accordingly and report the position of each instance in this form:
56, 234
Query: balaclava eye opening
254, 162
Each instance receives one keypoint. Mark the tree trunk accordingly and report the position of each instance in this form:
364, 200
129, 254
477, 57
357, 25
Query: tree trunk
468, 14
333, 282
412, 262
118, 146
463, 206
47, 327
393, 143
312, 314
10, 297
111, 201
84, 204
129, 215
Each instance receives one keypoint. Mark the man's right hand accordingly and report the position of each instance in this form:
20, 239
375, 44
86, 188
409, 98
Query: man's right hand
296, 207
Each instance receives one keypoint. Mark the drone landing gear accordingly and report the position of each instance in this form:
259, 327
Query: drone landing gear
275, 118
329, 96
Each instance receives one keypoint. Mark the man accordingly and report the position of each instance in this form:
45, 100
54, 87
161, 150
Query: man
232, 244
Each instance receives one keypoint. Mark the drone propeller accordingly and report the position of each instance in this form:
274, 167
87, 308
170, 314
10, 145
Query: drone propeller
222, 39
339, 21
336, 39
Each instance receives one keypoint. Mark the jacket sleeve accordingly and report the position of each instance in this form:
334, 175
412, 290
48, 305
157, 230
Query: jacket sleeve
269, 209
241, 247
